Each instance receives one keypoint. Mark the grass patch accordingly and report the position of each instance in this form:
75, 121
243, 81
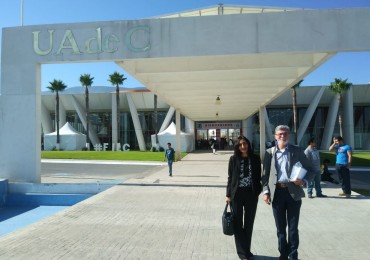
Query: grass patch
362, 192
358, 158
105, 155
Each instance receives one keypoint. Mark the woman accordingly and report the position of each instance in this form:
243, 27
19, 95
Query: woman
243, 188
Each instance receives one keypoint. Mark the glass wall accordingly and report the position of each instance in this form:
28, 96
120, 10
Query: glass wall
101, 123
361, 121
316, 126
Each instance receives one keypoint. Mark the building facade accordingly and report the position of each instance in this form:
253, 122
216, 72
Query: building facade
312, 120
247, 59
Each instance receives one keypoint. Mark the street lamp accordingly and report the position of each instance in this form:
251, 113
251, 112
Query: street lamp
218, 100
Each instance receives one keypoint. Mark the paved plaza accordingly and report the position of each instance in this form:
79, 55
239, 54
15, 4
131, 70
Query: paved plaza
179, 217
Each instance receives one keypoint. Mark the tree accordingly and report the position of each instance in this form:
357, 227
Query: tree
117, 79
86, 81
57, 86
294, 96
338, 87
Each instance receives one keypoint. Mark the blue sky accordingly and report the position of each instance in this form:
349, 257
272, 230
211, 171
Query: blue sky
354, 66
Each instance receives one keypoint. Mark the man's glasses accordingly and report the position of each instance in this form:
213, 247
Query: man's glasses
282, 134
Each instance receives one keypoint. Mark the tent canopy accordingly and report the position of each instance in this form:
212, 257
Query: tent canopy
169, 136
67, 129
70, 139
171, 130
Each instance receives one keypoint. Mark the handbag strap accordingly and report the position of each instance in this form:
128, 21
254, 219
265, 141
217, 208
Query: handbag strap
231, 208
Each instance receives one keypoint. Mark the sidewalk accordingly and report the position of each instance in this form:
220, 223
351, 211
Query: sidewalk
179, 217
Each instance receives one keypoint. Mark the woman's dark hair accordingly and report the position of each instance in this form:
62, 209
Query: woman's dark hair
236, 146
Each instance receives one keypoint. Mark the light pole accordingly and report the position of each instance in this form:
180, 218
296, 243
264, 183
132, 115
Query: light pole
21, 12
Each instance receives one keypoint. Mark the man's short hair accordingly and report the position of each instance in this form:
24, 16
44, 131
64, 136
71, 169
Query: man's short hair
282, 127
339, 138
311, 140
169, 144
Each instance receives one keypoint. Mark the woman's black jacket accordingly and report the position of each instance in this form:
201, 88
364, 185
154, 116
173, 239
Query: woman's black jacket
234, 172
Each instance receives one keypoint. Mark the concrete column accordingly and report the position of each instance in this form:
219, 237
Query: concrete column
81, 112
62, 112
244, 128
309, 113
269, 130
247, 125
262, 114
348, 123
331, 118
114, 123
167, 120
46, 120
189, 128
20, 121
136, 121
178, 136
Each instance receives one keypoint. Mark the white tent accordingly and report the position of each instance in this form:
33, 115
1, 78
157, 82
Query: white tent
70, 139
169, 136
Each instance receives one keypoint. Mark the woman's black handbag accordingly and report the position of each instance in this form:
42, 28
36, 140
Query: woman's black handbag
227, 221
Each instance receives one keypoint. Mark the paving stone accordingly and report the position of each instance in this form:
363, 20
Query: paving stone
180, 218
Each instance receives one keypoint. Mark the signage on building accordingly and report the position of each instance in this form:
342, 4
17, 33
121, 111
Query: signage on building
45, 43
218, 125
104, 147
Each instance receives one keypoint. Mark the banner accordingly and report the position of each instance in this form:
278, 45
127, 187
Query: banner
218, 125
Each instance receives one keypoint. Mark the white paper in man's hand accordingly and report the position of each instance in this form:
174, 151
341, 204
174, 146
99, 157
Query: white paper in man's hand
298, 172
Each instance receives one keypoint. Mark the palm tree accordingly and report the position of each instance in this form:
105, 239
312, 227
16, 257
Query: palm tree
117, 79
338, 87
294, 96
57, 86
86, 81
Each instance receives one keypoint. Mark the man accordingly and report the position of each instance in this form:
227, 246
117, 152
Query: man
284, 193
213, 145
313, 156
169, 154
343, 163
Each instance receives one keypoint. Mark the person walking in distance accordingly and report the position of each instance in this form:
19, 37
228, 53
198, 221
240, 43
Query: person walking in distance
169, 154
342, 164
243, 188
213, 145
285, 193
313, 156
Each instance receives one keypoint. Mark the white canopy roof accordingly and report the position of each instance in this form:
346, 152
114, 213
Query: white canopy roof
171, 130
67, 129
70, 139
169, 136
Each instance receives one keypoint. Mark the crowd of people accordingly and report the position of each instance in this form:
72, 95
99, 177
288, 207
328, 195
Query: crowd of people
217, 143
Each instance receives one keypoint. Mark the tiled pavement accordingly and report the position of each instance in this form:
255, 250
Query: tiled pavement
179, 217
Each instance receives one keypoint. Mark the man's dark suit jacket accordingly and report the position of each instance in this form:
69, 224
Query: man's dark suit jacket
234, 172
